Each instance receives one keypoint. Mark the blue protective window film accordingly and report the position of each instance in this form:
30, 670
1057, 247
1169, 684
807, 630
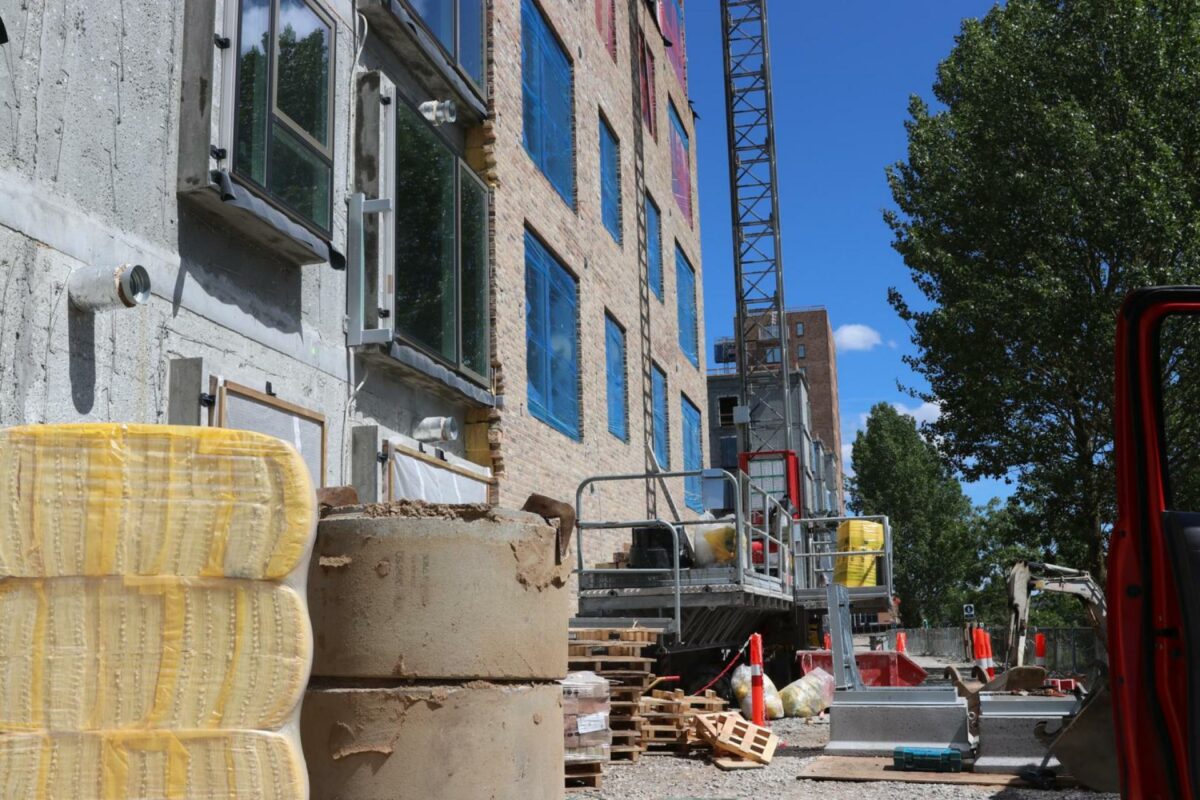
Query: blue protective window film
618, 400
610, 180
658, 391
654, 247
547, 87
692, 458
685, 296
551, 339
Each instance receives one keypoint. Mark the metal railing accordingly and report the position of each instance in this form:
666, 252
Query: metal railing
1069, 651
816, 550
757, 518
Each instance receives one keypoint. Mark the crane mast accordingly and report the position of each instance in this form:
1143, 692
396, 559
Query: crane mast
761, 339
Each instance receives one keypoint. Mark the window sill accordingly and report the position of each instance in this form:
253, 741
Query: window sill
411, 363
420, 52
260, 222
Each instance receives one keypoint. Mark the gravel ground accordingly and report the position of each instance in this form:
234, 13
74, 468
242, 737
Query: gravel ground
666, 777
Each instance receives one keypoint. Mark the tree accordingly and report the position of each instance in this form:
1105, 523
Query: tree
935, 549
1062, 172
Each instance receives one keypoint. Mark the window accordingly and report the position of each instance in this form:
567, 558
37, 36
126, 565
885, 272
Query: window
774, 355
799, 328
283, 142
728, 446
658, 399
606, 23
801, 351
442, 300
725, 406
654, 248
693, 458
681, 165
610, 180
618, 401
548, 97
770, 332
685, 298
552, 347
671, 21
647, 81
458, 25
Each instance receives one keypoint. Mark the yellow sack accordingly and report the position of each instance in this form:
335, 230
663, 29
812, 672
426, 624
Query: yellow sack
857, 571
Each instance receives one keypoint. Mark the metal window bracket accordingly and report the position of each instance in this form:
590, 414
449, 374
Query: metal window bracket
357, 333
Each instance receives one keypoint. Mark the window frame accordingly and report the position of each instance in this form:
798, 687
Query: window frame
721, 415
665, 460
693, 496
774, 355
610, 43
658, 288
611, 323
677, 129
799, 329
801, 350
605, 128
463, 171
571, 197
277, 116
456, 57
680, 69
647, 75
536, 409
693, 356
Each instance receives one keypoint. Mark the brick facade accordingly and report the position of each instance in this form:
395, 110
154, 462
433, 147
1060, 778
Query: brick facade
819, 363
537, 457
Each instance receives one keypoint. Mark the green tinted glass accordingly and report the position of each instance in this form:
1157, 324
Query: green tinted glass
298, 177
426, 291
252, 97
475, 300
302, 75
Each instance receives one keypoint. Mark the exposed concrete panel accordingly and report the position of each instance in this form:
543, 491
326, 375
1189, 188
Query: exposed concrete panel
476, 740
475, 596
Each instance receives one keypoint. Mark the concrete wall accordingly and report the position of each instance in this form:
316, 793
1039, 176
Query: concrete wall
89, 170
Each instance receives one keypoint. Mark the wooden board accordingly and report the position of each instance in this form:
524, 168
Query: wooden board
729, 764
878, 768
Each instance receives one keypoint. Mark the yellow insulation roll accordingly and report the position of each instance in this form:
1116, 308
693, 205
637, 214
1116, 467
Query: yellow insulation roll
108, 499
121, 653
178, 765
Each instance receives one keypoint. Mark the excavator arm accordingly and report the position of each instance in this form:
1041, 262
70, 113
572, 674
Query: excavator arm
1027, 577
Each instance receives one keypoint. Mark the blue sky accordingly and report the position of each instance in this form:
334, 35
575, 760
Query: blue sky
843, 74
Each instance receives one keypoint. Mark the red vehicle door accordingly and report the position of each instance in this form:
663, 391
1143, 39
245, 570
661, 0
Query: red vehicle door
1154, 555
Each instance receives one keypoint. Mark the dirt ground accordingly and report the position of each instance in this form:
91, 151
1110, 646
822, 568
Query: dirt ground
667, 777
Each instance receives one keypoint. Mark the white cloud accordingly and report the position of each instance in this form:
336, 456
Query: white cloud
926, 412
892, 344
848, 459
856, 337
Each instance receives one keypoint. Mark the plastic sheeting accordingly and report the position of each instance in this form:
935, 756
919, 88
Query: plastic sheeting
144, 655
416, 479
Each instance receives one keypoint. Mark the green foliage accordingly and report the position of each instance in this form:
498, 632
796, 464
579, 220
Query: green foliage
1062, 171
935, 550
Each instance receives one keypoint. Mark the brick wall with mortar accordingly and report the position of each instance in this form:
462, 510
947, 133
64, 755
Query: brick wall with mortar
820, 366
537, 457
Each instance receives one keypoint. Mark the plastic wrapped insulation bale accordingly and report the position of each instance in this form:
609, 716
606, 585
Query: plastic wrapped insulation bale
154, 633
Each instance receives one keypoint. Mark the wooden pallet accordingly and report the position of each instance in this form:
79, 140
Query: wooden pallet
669, 719
731, 734
646, 635
584, 775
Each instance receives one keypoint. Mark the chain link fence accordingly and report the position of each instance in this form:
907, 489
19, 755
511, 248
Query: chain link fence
1068, 650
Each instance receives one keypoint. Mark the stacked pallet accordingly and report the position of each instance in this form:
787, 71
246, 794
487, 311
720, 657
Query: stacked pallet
670, 717
619, 655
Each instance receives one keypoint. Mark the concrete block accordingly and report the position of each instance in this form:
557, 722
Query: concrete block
1008, 743
416, 591
477, 740
873, 722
